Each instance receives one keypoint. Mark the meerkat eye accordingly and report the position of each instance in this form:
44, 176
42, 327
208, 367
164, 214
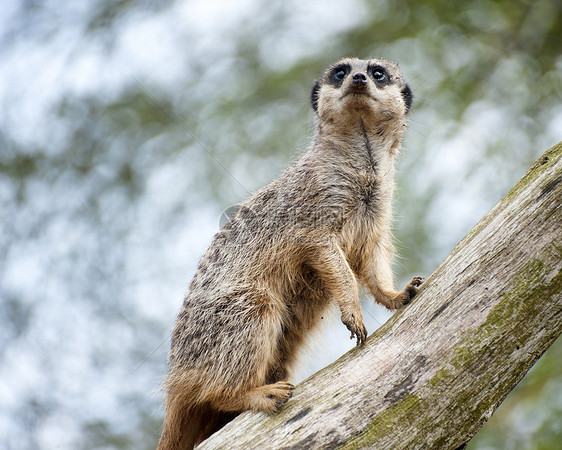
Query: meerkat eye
379, 74
339, 74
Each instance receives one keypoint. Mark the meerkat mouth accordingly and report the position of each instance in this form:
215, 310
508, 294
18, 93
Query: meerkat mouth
358, 93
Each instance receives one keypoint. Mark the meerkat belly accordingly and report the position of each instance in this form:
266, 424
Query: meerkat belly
362, 221
357, 237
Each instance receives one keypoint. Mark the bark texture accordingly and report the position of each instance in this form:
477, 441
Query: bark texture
436, 371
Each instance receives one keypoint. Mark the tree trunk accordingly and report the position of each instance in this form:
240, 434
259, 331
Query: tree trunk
436, 371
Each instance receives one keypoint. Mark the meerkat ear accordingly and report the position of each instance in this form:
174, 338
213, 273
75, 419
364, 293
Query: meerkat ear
407, 96
314, 95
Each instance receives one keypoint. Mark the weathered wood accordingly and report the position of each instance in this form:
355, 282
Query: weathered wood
436, 371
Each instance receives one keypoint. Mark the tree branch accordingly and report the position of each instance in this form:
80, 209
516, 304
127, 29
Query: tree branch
437, 370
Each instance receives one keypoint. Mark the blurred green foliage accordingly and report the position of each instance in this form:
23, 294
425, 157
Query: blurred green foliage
127, 126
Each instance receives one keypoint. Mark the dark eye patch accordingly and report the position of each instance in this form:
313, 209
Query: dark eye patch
379, 75
338, 74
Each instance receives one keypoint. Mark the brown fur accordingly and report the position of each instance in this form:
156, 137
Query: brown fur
302, 242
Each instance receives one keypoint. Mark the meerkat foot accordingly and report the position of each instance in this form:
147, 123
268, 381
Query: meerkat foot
409, 292
271, 397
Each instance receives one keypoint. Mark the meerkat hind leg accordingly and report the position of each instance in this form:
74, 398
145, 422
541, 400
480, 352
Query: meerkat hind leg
271, 397
268, 398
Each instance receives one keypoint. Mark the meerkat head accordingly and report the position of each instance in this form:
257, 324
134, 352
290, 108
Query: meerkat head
372, 90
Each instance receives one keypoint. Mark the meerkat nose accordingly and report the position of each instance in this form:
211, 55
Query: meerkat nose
359, 79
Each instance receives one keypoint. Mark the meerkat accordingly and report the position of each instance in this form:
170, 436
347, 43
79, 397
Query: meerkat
299, 244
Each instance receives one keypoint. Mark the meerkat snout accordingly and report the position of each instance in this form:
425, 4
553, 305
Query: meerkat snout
359, 79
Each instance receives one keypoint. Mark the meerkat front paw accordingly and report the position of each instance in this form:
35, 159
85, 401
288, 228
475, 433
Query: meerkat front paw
354, 323
409, 292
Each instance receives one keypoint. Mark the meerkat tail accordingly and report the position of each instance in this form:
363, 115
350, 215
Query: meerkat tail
187, 424
182, 427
